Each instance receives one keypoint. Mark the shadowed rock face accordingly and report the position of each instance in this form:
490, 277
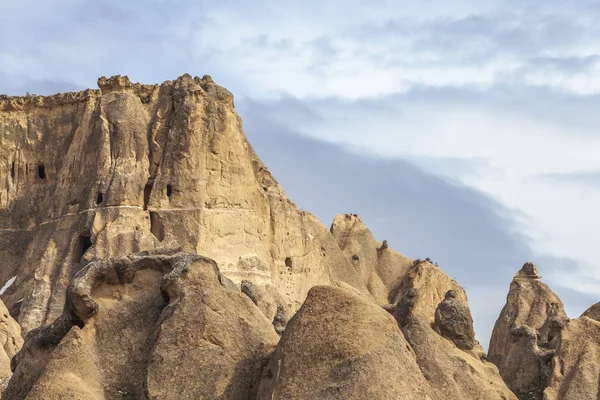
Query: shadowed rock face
454, 321
136, 326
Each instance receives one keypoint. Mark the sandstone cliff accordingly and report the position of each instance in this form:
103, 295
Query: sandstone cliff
132, 167
155, 256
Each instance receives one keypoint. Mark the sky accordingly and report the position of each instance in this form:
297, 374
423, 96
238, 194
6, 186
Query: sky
458, 130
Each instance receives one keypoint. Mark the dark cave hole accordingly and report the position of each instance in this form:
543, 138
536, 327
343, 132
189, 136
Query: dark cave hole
42, 171
147, 191
156, 226
12, 170
288, 262
169, 190
84, 242
99, 198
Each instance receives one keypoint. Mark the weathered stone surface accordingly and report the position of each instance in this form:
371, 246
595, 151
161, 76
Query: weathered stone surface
156, 257
451, 372
454, 321
432, 283
135, 327
342, 346
527, 366
576, 370
529, 303
10, 341
382, 268
270, 302
548, 357
131, 167
593, 312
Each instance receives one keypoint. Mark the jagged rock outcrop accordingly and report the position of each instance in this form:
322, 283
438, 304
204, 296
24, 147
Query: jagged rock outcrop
529, 305
451, 372
270, 302
432, 283
593, 312
131, 167
10, 341
381, 268
134, 327
155, 256
576, 368
454, 321
342, 346
548, 356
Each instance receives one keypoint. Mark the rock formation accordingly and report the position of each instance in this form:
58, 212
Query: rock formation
540, 353
130, 167
529, 303
165, 314
355, 352
152, 255
10, 341
454, 321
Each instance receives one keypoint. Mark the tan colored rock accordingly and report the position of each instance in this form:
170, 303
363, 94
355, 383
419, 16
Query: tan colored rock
107, 198
381, 268
130, 167
451, 372
432, 284
270, 302
454, 321
136, 326
593, 312
576, 369
342, 346
10, 341
529, 303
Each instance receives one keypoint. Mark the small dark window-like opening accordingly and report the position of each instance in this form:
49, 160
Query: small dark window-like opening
84, 242
12, 170
99, 198
41, 171
156, 226
147, 191
288, 262
169, 190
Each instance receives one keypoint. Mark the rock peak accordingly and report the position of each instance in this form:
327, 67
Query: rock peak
528, 271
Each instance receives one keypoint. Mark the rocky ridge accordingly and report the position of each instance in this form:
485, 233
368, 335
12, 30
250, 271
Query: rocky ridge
155, 256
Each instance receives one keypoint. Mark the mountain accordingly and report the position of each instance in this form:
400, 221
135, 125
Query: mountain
151, 254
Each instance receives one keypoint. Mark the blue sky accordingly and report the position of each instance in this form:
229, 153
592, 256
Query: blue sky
459, 130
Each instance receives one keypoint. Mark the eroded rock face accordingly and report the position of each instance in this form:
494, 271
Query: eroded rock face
131, 167
382, 268
454, 321
576, 370
530, 304
10, 341
135, 326
452, 373
548, 356
342, 346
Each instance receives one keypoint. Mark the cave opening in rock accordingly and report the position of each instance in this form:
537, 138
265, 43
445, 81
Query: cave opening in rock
84, 242
12, 170
169, 191
288, 262
99, 198
147, 191
42, 171
156, 226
